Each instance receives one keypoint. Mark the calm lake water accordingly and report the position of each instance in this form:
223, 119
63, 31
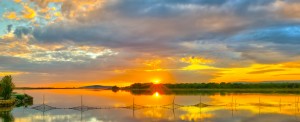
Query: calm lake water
118, 107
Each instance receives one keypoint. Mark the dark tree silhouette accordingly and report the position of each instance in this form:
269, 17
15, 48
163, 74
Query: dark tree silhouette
7, 87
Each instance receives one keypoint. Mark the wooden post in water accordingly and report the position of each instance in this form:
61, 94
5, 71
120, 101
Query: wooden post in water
173, 107
43, 107
43, 102
200, 105
133, 107
295, 107
43, 99
81, 107
173, 103
232, 106
235, 104
259, 105
81, 101
280, 105
298, 104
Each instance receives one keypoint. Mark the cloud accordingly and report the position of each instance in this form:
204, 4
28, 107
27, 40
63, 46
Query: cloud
22, 31
9, 28
114, 26
288, 34
11, 15
28, 13
288, 9
72, 8
196, 60
265, 71
27, 48
182, 39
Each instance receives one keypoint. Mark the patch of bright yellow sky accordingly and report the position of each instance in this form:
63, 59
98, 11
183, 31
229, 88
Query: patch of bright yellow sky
260, 72
251, 73
10, 73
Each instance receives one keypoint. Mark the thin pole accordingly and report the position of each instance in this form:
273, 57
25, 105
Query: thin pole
200, 102
232, 100
81, 101
235, 104
200, 105
43, 107
298, 104
43, 103
133, 107
174, 107
280, 104
43, 99
259, 106
232, 106
173, 102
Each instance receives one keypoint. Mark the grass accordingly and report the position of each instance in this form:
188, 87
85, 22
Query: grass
7, 103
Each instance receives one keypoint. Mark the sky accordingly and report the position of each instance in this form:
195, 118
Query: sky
68, 43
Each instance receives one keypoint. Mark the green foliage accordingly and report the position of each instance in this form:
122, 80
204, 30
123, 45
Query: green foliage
141, 85
224, 85
115, 88
19, 96
7, 87
6, 117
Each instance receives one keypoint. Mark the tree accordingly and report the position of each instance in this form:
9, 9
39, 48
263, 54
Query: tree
7, 87
115, 88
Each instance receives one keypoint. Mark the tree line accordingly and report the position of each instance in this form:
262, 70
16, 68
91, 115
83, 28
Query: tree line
222, 85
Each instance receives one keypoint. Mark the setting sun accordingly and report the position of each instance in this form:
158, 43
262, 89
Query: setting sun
156, 81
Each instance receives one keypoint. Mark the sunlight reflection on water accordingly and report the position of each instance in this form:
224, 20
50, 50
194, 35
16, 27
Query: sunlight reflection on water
125, 107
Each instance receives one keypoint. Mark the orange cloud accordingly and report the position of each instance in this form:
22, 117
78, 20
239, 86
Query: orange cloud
197, 63
292, 65
18, 1
290, 10
72, 8
196, 60
11, 15
28, 13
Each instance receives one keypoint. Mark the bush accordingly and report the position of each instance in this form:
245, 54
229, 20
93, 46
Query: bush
7, 87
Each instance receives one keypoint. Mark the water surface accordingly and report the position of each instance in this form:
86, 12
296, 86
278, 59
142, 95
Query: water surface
108, 106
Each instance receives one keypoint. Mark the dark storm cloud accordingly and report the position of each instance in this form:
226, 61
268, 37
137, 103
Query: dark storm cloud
168, 8
289, 34
268, 45
9, 28
20, 31
160, 8
111, 37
